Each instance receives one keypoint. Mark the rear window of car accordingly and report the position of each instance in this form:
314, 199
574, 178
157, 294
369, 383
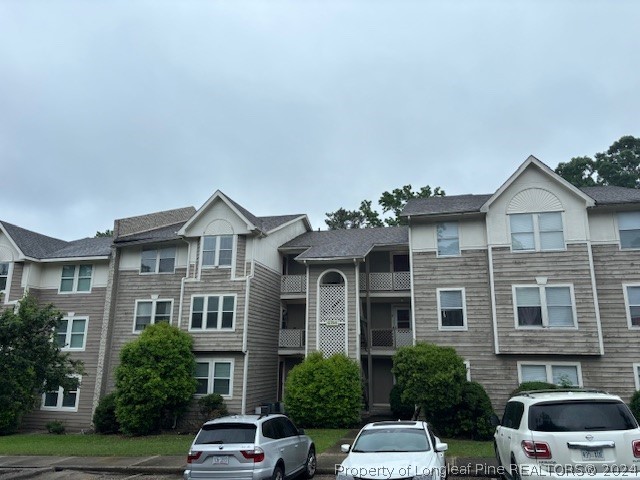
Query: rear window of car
226, 433
392, 440
580, 416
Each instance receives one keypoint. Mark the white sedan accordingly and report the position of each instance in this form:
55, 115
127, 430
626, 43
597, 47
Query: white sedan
394, 450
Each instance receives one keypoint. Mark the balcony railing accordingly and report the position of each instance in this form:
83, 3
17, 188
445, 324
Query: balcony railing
293, 284
391, 338
386, 281
291, 338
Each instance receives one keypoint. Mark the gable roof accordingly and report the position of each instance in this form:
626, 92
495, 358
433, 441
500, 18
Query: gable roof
610, 195
355, 243
124, 227
444, 205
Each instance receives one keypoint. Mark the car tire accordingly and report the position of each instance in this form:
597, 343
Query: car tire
514, 470
278, 473
311, 464
502, 474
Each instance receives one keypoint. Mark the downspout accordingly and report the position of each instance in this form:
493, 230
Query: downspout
594, 288
306, 330
411, 283
182, 281
369, 342
494, 316
358, 330
245, 331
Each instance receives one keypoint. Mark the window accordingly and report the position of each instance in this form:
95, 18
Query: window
537, 231
4, 275
544, 306
71, 332
76, 278
152, 311
158, 260
213, 312
61, 399
513, 415
448, 240
217, 251
402, 318
636, 375
629, 226
214, 376
451, 309
565, 374
632, 301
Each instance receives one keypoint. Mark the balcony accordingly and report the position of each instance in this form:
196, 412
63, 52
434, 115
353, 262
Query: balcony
291, 338
292, 284
391, 338
386, 281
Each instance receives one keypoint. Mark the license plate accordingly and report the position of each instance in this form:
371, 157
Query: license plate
588, 455
221, 459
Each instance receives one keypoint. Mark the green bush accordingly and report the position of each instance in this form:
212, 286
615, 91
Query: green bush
399, 409
155, 380
104, 418
212, 406
324, 393
55, 427
470, 418
634, 405
528, 386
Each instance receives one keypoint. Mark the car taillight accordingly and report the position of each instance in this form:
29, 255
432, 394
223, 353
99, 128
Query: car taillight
257, 454
636, 448
191, 456
536, 449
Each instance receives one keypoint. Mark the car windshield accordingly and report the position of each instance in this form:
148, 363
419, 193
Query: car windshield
226, 433
580, 416
392, 440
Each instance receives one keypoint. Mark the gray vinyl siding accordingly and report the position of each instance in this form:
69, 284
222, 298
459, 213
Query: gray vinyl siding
241, 255
16, 290
560, 268
264, 325
90, 305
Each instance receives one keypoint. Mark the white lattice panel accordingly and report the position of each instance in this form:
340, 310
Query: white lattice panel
293, 284
332, 339
380, 281
363, 281
332, 323
402, 281
404, 337
291, 338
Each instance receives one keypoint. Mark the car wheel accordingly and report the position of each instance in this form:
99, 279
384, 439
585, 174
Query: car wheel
278, 474
501, 470
311, 464
514, 471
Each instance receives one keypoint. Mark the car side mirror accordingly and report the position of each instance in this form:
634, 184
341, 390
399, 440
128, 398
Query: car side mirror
442, 447
344, 448
301, 431
495, 421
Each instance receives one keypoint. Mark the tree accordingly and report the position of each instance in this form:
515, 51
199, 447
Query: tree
430, 376
106, 233
155, 379
30, 362
367, 217
618, 166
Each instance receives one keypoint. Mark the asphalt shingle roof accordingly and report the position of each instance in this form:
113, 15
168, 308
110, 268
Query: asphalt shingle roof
445, 205
346, 244
162, 234
610, 195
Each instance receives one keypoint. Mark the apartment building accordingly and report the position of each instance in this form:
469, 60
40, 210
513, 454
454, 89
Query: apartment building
539, 280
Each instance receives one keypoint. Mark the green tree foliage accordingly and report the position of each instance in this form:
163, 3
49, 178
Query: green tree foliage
618, 166
634, 405
430, 376
390, 202
529, 386
324, 392
155, 379
212, 406
30, 362
399, 409
104, 418
106, 233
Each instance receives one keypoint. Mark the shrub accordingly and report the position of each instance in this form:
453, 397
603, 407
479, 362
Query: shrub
155, 380
104, 418
55, 427
470, 418
528, 386
324, 393
634, 405
399, 409
212, 406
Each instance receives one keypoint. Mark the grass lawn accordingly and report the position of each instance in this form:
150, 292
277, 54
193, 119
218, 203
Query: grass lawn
119, 446
469, 448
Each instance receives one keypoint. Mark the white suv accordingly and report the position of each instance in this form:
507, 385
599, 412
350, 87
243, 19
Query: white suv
579, 434
250, 447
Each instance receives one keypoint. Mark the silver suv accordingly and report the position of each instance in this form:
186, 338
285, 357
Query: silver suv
251, 447
567, 434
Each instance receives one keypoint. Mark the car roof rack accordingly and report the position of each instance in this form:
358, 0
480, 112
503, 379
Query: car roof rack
528, 393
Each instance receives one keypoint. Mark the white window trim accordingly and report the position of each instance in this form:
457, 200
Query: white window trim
636, 375
153, 301
618, 230
465, 326
217, 252
458, 237
536, 233
543, 306
548, 367
67, 341
219, 322
156, 271
5, 290
627, 306
59, 407
76, 279
212, 361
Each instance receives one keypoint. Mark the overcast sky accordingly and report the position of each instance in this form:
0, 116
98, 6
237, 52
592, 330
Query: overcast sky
111, 109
